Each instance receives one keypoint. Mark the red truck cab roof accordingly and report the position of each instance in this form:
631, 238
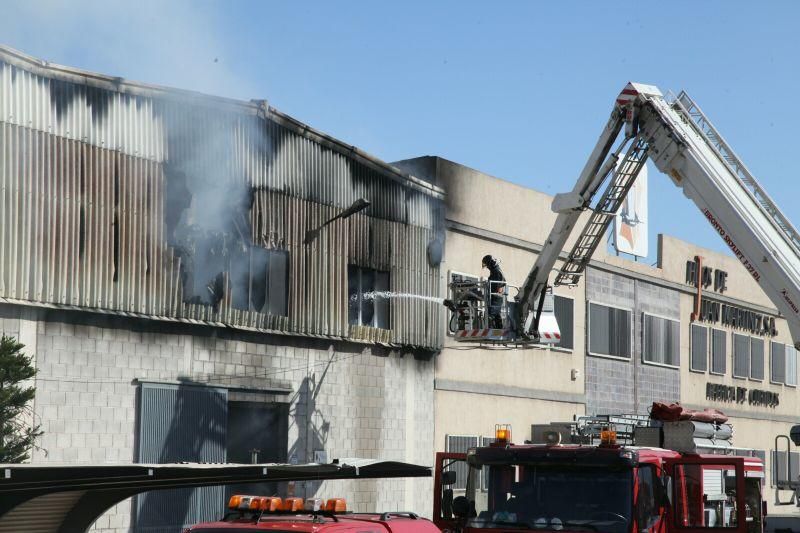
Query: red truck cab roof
316, 523
594, 455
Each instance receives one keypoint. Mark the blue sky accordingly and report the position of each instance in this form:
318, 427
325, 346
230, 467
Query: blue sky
519, 90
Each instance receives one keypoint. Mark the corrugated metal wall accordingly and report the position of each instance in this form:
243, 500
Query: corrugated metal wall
180, 424
85, 168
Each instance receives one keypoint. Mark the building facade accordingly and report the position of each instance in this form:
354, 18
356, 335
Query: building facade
694, 327
156, 261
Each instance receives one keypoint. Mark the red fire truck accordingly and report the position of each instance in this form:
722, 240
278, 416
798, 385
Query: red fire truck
260, 513
599, 487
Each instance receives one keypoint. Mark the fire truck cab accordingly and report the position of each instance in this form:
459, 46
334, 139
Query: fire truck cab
270, 513
604, 487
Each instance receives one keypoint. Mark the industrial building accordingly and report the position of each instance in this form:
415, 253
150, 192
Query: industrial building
632, 333
165, 258
196, 276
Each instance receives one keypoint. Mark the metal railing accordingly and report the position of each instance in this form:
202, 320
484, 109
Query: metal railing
692, 112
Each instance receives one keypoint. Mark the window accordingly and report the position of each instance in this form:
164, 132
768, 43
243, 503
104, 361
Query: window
791, 366
699, 355
648, 508
661, 340
719, 351
756, 359
564, 311
368, 301
777, 362
259, 281
741, 355
460, 444
701, 493
609, 331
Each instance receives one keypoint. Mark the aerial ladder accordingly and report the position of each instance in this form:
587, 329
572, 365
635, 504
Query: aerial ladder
682, 143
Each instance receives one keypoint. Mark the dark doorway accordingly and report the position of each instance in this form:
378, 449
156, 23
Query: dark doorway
257, 432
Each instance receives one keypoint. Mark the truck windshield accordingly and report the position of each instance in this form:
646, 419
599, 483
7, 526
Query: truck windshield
554, 497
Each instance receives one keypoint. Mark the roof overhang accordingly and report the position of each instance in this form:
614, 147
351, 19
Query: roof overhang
69, 498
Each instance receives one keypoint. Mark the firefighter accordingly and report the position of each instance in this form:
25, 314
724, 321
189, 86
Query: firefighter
496, 287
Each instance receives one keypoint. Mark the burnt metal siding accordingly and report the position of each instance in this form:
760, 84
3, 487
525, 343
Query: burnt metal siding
85, 165
177, 424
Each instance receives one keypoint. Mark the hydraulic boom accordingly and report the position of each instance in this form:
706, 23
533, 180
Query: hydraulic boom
683, 144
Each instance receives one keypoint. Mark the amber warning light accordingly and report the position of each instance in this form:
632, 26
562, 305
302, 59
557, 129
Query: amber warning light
608, 437
502, 434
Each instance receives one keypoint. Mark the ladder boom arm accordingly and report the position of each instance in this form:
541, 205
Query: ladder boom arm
735, 205
568, 207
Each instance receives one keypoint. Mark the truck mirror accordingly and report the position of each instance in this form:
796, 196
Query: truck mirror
461, 507
449, 477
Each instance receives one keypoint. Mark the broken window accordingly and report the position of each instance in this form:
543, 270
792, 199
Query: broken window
259, 281
368, 299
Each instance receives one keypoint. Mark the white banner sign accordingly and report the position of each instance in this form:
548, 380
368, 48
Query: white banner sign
630, 224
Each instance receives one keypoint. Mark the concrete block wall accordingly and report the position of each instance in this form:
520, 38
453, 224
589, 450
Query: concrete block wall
346, 400
654, 383
620, 386
609, 382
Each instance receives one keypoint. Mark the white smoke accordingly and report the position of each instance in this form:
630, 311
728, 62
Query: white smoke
175, 43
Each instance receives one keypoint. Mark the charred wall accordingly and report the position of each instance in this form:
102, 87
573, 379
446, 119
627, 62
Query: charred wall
124, 198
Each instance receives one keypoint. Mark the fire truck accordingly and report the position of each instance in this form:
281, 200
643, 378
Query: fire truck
680, 140
594, 477
272, 513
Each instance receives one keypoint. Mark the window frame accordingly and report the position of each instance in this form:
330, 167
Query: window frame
360, 291
771, 359
270, 300
763, 362
644, 340
561, 348
707, 329
733, 356
589, 351
786, 367
711, 370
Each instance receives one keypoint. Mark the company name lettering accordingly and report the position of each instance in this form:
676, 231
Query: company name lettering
737, 317
725, 393
732, 245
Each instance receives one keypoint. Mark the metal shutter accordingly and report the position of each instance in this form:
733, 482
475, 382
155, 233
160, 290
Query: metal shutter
661, 340
719, 351
699, 356
712, 481
460, 444
741, 355
609, 331
180, 423
756, 358
791, 365
777, 363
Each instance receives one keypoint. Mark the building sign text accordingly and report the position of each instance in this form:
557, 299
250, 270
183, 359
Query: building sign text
726, 393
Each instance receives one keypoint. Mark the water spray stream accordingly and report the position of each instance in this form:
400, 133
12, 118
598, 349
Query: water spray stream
372, 295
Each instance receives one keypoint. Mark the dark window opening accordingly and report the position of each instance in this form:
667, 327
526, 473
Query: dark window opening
756, 359
648, 509
777, 366
719, 351
609, 331
699, 356
564, 311
259, 281
741, 356
82, 211
367, 297
116, 220
661, 340
257, 433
